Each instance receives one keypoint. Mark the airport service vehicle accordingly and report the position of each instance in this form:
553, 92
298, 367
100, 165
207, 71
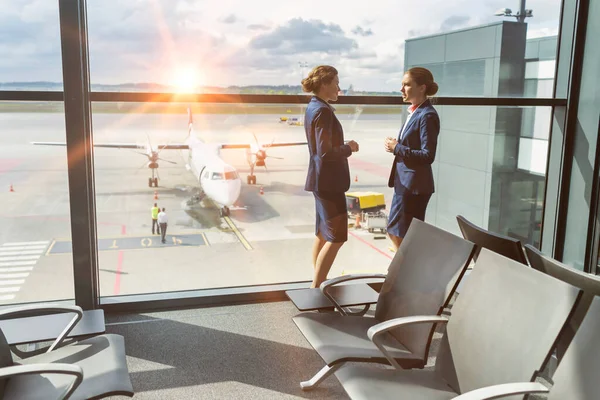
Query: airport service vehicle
364, 202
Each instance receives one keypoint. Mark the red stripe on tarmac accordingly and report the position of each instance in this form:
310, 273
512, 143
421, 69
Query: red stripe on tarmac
117, 288
123, 229
370, 245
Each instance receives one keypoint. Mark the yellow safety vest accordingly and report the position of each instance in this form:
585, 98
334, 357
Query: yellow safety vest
155, 212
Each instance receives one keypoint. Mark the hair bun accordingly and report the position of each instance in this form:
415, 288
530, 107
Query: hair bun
432, 89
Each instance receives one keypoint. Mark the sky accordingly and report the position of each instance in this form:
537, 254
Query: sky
243, 42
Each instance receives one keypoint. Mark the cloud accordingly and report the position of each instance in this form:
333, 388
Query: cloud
230, 19
454, 22
362, 32
258, 27
304, 36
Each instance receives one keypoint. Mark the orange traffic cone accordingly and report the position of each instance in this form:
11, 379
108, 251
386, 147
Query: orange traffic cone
155, 195
356, 178
262, 191
11, 188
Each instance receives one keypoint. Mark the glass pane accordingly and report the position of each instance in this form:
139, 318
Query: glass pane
487, 169
30, 57
237, 47
35, 218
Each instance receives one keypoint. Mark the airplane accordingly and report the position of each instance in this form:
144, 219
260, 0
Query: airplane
218, 180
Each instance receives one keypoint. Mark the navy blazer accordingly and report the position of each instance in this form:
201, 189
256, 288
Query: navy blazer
328, 169
415, 152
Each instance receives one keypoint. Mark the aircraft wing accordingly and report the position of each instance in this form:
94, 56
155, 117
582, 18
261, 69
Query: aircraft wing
248, 145
121, 145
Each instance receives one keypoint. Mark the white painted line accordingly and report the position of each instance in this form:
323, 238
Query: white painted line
16, 263
7, 297
14, 276
12, 282
25, 243
9, 289
15, 248
19, 269
19, 258
19, 253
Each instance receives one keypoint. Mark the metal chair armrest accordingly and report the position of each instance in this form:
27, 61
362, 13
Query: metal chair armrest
344, 278
503, 390
44, 309
375, 332
65, 369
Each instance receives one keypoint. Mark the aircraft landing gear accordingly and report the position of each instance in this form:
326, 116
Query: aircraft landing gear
224, 212
251, 179
154, 180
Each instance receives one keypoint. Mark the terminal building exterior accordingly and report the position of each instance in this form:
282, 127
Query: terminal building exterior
491, 161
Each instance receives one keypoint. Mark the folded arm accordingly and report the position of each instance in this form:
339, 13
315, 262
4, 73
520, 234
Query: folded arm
324, 138
429, 131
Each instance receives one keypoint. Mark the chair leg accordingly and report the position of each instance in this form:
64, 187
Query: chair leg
358, 313
320, 376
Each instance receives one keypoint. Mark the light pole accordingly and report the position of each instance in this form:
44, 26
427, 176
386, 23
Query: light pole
520, 15
302, 65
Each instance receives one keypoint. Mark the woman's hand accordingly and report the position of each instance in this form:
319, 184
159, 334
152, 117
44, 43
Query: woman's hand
390, 144
353, 146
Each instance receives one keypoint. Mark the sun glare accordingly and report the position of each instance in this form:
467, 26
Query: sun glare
185, 80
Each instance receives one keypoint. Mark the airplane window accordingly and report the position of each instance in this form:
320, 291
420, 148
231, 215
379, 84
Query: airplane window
231, 175
217, 176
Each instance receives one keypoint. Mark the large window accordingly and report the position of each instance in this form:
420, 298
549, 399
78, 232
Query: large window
34, 190
35, 204
238, 214
269, 46
30, 46
267, 234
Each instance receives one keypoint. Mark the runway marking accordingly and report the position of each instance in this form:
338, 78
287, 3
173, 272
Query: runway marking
135, 242
18, 253
23, 269
13, 276
16, 263
238, 234
17, 260
370, 245
15, 248
11, 282
25, 243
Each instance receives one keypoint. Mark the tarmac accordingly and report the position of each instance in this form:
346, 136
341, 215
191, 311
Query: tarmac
267, 238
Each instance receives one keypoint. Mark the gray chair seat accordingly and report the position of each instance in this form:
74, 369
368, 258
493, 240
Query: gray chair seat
339, 338
364, 382
102, 359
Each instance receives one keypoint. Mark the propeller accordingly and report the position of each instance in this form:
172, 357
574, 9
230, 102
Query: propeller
261, 150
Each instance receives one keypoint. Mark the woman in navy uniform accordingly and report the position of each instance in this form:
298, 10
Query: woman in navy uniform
328, 173
414, 152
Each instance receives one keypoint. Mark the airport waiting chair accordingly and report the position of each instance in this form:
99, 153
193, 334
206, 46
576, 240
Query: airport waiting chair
576, 377
502, 328
590, 284
89, 369
507, 246
420, 281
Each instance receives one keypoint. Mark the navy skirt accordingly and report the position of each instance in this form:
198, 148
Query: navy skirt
405, 207
331, 216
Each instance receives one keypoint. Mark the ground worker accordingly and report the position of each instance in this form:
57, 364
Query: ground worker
155, 211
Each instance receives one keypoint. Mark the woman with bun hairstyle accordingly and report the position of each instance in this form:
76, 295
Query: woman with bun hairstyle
414, 152
328, 174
